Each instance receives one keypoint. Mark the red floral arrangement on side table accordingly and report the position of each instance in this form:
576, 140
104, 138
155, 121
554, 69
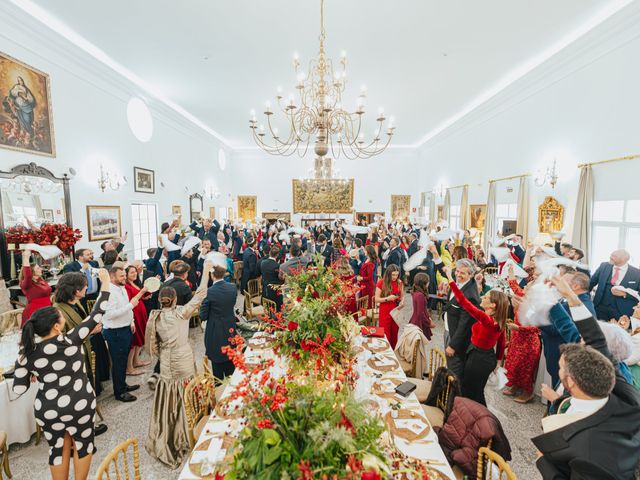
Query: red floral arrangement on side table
59, 234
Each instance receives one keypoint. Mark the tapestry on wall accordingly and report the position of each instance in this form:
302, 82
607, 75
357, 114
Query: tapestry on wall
26, 121
247, 207
322, 196
400, 207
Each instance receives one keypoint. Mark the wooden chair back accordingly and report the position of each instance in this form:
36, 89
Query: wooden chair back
363, 306
270, 306
111, 467
492, 466
199, 400
237, 272
254, 287
443, 397
436, 360
90, 305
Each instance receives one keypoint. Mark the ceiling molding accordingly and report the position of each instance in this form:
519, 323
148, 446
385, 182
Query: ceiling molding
602, 38
95, 64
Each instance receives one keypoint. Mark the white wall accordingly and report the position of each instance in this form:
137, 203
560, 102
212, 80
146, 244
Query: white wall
90, 123
393, 172
581, 106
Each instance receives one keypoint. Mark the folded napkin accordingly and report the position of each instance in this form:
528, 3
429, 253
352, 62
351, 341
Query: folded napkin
372, 331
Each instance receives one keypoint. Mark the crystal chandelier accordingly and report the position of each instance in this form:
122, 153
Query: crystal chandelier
318, 115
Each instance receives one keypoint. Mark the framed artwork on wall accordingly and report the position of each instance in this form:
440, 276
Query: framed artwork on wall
478, 215
103, 222
144, 180
247, 207
212, 212
400, 207
26, 118
47, 214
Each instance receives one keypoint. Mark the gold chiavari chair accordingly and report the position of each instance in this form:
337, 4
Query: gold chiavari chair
492, 466
237, 273
251, 310
199, 400
10, 320
90, 305
195, 320
436, 360
270, 307
111, 463
4, 451
436, 414
254, 287
93, 384
363, 311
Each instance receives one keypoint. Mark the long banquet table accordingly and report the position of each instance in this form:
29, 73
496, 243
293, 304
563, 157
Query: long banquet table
426, 448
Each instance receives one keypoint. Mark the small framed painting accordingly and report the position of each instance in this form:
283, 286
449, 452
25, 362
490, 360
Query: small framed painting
103, 222
212, 212
47, 214
145, 181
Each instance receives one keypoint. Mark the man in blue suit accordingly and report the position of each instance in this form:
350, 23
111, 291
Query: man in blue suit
579, 283
207, 230
217, 311
84, 263
611, 302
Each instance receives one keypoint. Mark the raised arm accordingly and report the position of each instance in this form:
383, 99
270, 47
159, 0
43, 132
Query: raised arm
193, 305
27, 272
469, 307
79, 334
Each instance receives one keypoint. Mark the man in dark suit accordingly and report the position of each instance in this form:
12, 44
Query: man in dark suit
249, 264
396, 256
458, 322
600, 435
207, 230
413, 246
609, 301
180, 272
152, 264
217, 311
269, 268
237, 243
85, 263
517, 249
324, 249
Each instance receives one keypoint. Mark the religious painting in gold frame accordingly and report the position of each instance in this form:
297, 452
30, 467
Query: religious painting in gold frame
550, 216
400, 207
212, 212
26, 118
322, 196
477, 215
247, 207
272, 216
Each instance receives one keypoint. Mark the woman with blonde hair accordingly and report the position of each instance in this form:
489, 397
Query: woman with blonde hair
168, 339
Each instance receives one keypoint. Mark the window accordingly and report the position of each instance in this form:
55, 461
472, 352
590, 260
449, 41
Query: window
615, 224
144, 217
454, 217
505, 211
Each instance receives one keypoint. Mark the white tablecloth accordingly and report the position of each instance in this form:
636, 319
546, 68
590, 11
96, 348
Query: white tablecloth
421, 450
16, 413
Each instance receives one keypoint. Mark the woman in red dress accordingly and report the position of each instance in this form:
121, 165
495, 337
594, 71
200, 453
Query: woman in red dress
389, 293
366, 279
133, 287
344, 270
34, 287
523, 354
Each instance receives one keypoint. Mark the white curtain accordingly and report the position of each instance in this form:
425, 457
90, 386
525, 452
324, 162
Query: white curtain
446, 210
523, 208
432, 209
464, 208
490, 222
584, 205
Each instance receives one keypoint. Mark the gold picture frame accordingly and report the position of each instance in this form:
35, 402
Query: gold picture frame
322, 196
103, 222
247, 207
550, 216
400, 207
26, 108
284, 216
477, 216
212, 212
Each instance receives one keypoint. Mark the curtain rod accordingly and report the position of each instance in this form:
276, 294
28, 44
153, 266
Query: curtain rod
458, 186
611, 160
509, 178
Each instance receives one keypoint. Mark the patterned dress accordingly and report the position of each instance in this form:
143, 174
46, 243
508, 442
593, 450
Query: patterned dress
523, 353
66, 402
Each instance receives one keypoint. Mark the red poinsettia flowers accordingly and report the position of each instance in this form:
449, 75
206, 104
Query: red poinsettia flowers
58, 234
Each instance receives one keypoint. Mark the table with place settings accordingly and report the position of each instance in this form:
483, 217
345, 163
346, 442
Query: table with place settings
16, 412
379, 373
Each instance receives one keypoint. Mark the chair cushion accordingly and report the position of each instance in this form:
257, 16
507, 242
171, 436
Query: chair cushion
256, 311
422, 388
257, 300
407, 368
434, 415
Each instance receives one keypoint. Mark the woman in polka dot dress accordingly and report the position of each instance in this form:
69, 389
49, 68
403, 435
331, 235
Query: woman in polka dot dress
65, 406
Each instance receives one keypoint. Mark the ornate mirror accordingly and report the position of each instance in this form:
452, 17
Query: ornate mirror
196, 207
33, 193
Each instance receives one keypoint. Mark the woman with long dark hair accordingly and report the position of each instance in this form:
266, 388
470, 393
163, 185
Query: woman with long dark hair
367, 277
389, 293
140, 317
65, 405
487, 334
34, 287
420, 297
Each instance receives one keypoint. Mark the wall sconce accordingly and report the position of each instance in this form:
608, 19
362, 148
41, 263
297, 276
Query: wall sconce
549, 175
111, 180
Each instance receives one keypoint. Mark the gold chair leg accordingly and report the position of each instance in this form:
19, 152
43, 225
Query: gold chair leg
5, 462
38, 434
99, 412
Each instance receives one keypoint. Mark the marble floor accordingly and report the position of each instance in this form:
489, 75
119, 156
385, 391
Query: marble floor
126, 420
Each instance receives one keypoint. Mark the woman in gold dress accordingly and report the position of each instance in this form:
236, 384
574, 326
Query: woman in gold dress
168, 339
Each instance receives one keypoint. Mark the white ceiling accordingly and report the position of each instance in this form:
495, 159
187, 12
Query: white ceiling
424, 61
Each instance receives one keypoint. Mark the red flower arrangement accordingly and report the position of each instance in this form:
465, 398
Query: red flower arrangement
58, 234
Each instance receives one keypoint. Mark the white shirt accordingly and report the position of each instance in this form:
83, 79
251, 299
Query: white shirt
586, 406
119, 311
622, 272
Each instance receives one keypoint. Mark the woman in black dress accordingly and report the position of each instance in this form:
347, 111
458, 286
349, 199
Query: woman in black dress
65, 405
